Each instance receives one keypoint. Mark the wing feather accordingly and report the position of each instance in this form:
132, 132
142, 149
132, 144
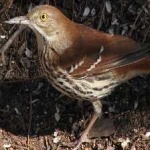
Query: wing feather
100, 52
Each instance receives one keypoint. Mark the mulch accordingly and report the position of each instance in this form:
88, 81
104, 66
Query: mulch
34, 116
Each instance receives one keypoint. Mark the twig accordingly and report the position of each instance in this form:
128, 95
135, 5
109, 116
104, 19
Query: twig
102, 17
146, 34
9, 42
30, 120
3, 110
10, 3
47, 143
55, 2
24, 80
134, 24
20, 146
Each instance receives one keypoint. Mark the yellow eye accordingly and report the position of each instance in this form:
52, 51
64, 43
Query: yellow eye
43, 17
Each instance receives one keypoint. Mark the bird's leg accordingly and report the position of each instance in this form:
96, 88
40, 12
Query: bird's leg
97, 106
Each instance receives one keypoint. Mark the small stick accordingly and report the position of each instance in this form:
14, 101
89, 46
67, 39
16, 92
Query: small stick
137, 18
30, 121
10, 40
146, 34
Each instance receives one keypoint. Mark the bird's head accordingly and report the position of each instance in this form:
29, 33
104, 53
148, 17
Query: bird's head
45, 19
49, 22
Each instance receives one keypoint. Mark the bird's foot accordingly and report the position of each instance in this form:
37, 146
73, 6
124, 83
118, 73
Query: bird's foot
83, 138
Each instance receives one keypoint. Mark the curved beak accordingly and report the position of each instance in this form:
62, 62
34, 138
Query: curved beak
23, 20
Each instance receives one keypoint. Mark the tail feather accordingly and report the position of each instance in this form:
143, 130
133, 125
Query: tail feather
142, 53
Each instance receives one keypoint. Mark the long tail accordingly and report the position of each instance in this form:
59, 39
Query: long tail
133, 58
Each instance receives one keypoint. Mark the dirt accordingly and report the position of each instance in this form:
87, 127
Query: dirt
34, 116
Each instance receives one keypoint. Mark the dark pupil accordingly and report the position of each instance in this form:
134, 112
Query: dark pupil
43, 16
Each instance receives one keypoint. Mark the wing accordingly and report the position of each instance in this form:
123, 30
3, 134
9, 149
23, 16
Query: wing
96, 52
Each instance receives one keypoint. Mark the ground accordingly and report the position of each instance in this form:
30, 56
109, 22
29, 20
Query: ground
35, 116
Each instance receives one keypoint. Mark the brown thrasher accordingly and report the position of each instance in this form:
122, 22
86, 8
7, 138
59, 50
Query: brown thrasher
81, 62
